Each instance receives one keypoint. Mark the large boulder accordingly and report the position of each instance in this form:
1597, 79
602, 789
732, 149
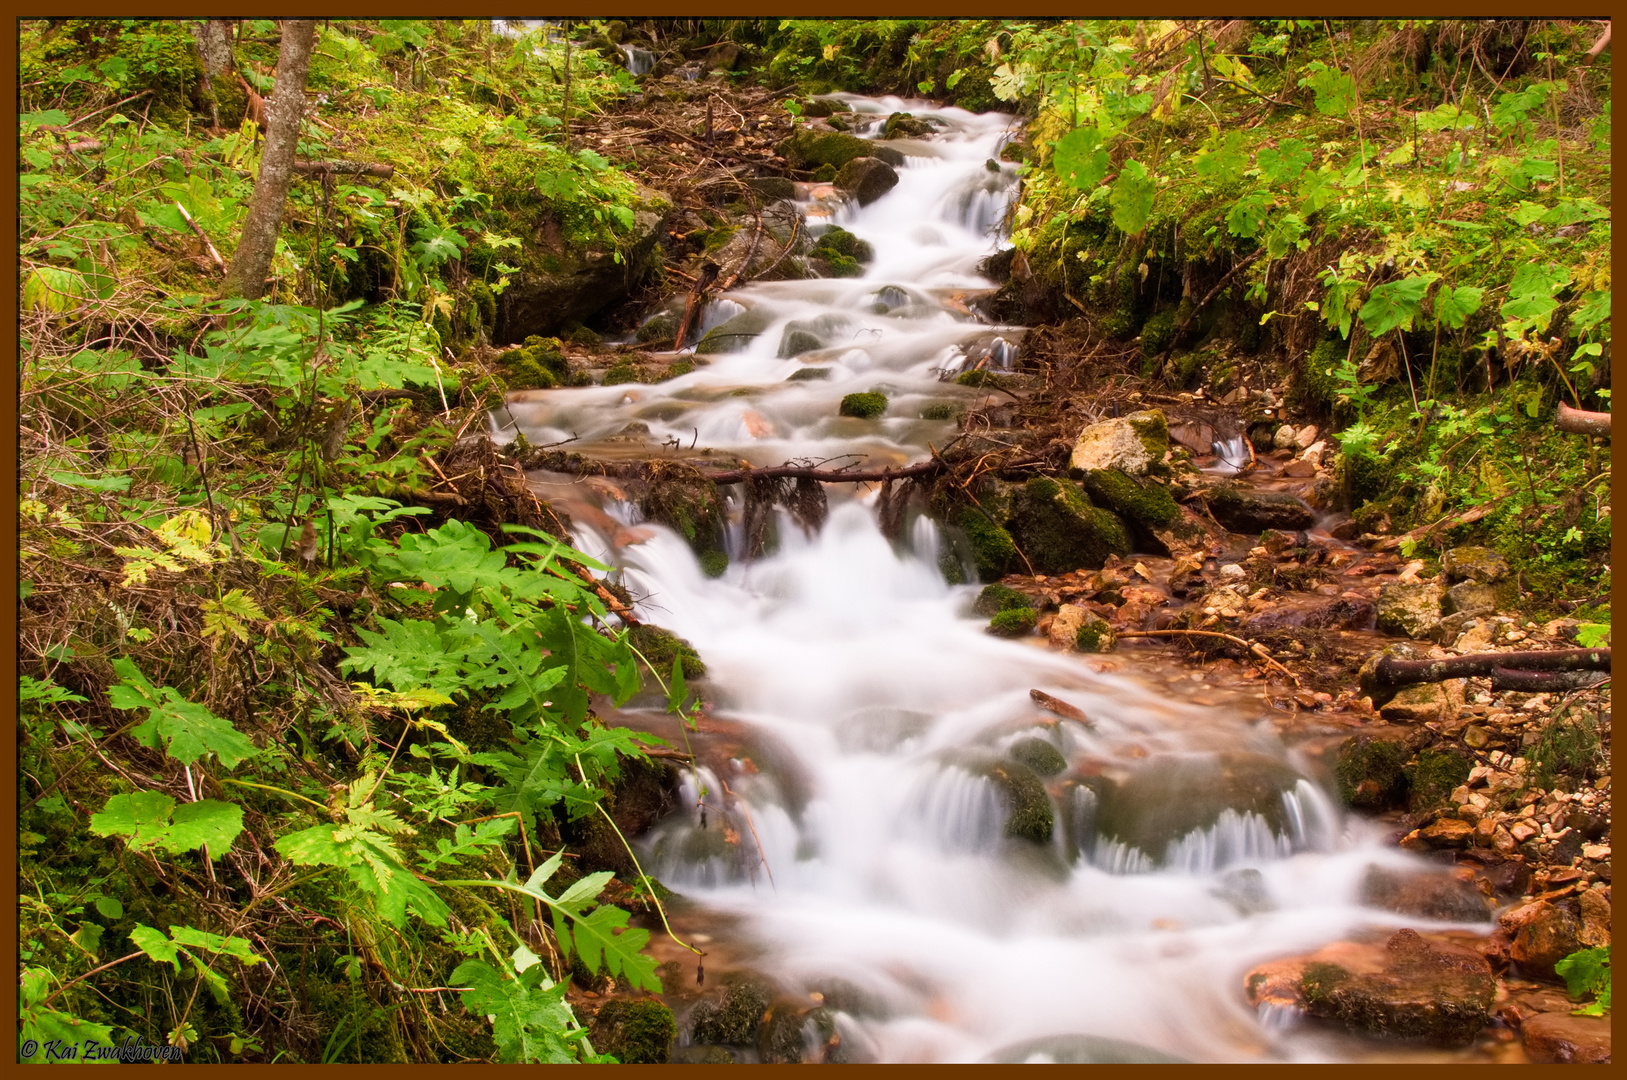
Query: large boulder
809, 149
1243, 510
1411, 609
1413, 990
866, 179
1547, 935
1058, 529
1170, 796
1134, 444
555, 290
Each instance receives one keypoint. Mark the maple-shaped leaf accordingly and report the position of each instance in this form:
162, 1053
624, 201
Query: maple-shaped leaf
529, 1018
185, 729
151, 819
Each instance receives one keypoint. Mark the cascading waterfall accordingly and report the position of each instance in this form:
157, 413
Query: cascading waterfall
875, 843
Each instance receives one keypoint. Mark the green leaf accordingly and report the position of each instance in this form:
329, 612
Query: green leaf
31, 691
1335, 91
1454, 306
98, 483
1395, 304
236, 947
530, 1019
187, 731
1080, 158
109, 907
1132, 197
151, 819
1248, 214
156, 945
1285, 164
1587, 972
1532, 294
1593, 310
1223, 161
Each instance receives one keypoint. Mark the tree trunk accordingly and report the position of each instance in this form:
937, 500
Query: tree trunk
214, 38
286, 106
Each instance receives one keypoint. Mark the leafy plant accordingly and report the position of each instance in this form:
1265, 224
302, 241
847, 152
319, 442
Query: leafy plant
1588, 972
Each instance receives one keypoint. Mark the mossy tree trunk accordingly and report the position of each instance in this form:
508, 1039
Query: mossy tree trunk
284, 109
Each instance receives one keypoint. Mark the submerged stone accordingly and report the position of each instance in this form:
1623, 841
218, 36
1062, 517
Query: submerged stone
866, 179
1080, 1050
1029, 813
1039, 755
863, 406
1172, 795
736, 335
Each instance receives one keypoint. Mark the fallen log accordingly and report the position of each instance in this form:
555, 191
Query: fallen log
343, 168
1059, 707
828, 476
1543, 682
709, 274
1382, 675
1451, 521
1582, 422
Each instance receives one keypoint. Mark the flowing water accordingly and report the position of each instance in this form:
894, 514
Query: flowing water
861, 837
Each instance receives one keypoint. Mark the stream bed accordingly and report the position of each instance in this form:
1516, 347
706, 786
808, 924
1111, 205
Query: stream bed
917, 857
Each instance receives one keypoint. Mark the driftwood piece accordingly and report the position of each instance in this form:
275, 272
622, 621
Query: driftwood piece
214, 256
709, 274
1383, 675
1451, 521
344, 168
1582, 422
1059, 707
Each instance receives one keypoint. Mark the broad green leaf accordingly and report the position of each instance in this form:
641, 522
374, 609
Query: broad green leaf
215, 943
1080, 158
1224, 161
1247, 215
1594, 309
187, 731
1285, 164
1454, 306
156, 945
1395, 304
1335, 91
151, 819
1132, 197
530, 1020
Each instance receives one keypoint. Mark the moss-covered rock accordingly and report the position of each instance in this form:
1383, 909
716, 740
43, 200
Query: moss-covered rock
1423, 991
1134, 444
1433, 776
1013, 623
810, 149
866, 179
660, 647
838, 253
1370, 772
978, 378
809, 374
1029, 813
997, 598
864, 406
1470, 562
1039, 755
1157, 333
621, 372
942, 410
1147, 503
1170, 796
1058, 528
538, 364
714, 563
993, 550
688, 504
1410, 608
903, 125
1095, 635
733, 1018
635, 1031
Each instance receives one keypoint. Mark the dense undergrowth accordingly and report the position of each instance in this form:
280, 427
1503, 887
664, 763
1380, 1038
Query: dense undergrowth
297, 738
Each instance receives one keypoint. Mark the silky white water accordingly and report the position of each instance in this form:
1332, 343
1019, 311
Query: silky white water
874, 845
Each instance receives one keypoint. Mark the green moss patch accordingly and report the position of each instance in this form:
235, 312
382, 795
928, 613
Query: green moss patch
1015, 622
864, 406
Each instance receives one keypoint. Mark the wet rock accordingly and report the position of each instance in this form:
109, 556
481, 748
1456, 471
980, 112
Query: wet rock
703, 1055
1243, 510
1474, 598
1095, 635
735, 335
1284, 437
1145, 505
1440, 834
809, 149
1134, 444
1547, 935
838, 253
1039, 755
794, 1035
997, 598
1015, 623
863, 406
806, 335
1410, 609
994, 553
1595, 904
1423, 991
903, 125
1245, 890
1371, 772
1473, 563
1423, 702
1558, 1037
866, 179
1064, 629
637, 1031
1423, 894
1029, 813
553, 292
1170, 796
1079, 1050
1323, 613
1058, 528
732, 1018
